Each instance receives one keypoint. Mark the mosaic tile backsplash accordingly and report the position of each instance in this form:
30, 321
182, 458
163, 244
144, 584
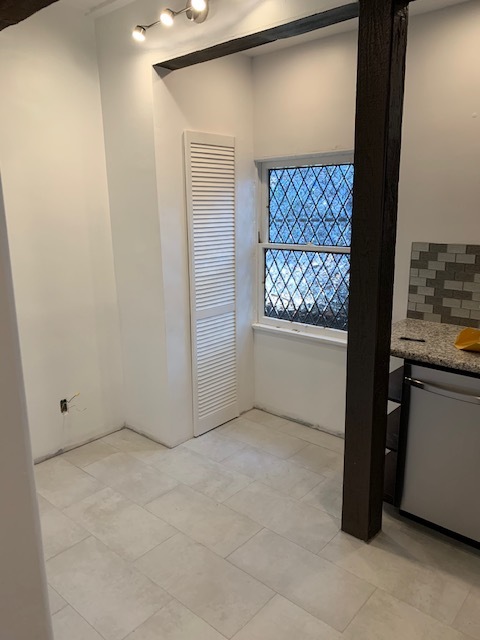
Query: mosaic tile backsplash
445, 283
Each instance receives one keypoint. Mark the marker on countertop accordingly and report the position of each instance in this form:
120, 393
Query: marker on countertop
412, 339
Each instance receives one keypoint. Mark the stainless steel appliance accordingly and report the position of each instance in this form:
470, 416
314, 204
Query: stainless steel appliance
442, 464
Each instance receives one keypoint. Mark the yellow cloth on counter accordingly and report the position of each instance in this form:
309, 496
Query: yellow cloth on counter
468, 340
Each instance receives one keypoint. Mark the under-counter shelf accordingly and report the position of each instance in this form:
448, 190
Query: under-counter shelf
395, 392
393, 428
390, 480
395, 385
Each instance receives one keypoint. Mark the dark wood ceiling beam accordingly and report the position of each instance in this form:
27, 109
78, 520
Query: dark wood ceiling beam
378, 128
237, 45
14, 11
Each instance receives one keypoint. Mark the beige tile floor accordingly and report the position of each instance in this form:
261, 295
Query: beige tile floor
237, 535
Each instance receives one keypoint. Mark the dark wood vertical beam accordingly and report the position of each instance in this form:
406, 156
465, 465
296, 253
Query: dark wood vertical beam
380, 87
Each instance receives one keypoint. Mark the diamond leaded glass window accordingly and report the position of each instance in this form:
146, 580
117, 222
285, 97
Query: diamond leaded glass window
307, 255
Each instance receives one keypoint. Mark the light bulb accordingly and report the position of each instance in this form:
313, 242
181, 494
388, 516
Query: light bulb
138, 33
166, 17
199, 5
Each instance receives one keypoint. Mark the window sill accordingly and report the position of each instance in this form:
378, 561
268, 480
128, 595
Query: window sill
333, 340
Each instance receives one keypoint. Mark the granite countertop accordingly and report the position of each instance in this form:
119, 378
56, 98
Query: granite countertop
439, 346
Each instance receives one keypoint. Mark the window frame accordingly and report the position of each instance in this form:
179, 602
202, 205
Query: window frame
263, 167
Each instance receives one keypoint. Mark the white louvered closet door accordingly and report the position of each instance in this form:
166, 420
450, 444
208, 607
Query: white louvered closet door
210, 188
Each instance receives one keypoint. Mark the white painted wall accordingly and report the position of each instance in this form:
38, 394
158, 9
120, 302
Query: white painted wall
304, 101
24, 611
440, 171
298, 378
215, 97
127, 101
143, 225
304, 98
53, 166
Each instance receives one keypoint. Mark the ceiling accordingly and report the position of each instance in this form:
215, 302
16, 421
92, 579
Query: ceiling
416, 8
97, 6
100, 7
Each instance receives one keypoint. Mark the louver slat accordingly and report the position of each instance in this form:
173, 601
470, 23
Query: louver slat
210, 188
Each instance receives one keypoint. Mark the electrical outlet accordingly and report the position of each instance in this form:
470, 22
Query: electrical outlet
64, 406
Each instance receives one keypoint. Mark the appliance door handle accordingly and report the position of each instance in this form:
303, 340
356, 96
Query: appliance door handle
443, 391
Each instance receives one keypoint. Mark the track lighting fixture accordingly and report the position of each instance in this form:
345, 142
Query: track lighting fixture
199, 5
138, 33
167, 17
195, 10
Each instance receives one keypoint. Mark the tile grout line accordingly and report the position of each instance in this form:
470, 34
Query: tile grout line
68, 603
149, 617
289, 421
81, 616
195, 542
90, 535
316, 443
202, 495
375, 588
449, 543
275, 594
296, 500
134, 504
458, 612
408, 604
218, 435
289, 458
281, 494
234, 494
49, 586
321, 477
320, 480
361, 608
131, 565
319, 508
193, 487
302, 549
388, 592
201, 456
273, 430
